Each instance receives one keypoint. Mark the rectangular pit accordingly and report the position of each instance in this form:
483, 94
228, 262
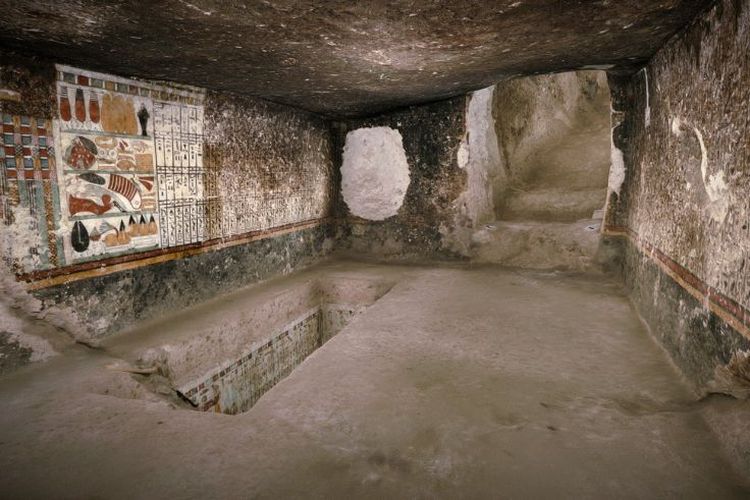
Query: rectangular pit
223, 355
235, 386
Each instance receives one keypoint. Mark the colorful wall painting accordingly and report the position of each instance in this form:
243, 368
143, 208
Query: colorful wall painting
110, 190
29, 199
121, 170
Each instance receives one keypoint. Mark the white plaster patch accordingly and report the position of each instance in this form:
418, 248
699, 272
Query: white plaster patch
463, 153
715, 184
617, 169
479, 154
677, 126
374, 173
19, 237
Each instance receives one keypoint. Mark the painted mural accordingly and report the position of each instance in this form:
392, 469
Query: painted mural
29, 198
121, 169
112, 132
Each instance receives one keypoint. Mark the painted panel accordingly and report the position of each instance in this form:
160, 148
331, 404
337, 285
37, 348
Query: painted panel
180, 173
111, 193
134, 167
28, 187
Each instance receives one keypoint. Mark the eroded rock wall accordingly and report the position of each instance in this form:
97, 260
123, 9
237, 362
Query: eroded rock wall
553, 132
468, 158
432, 135
681, 127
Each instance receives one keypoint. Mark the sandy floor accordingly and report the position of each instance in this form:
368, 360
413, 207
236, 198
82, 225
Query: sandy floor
458, 383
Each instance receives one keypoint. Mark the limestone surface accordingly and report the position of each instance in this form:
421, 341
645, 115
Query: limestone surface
374, 173
459, 382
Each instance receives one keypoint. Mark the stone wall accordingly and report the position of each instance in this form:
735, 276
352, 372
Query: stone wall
681, 134
432, 135
122, 198
272, 163
469, 156
235, 386
553, 132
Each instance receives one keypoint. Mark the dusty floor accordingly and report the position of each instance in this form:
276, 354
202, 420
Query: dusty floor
458, 383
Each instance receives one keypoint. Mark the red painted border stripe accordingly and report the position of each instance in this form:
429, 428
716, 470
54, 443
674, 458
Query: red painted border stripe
714, 296
174, 252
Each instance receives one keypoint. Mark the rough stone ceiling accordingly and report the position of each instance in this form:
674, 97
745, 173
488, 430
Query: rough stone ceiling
343, 57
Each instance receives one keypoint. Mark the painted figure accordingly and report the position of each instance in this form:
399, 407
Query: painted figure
80, 205
65, 114
143, 118
81, 154
94, 108
80, 106
79, 237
